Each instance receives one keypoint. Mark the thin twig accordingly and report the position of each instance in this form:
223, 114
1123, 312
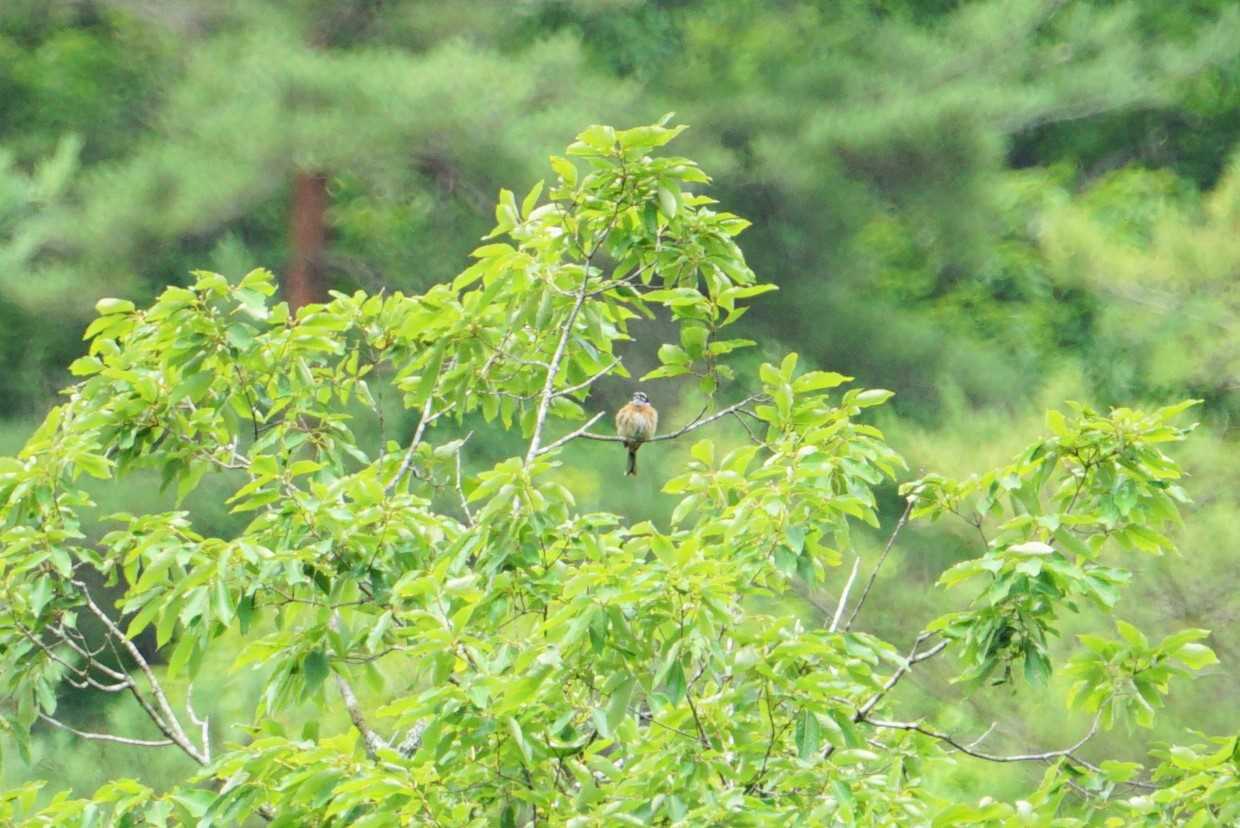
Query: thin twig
982, 738
839, 608
65, 635
1044, 756
697, 721
85, 679
694, 424
566, 332
426, 419
460, 490
106, 737
371, 741
413, 444
572, 435
553, 367
912, 499
168, 723
204, 723
912, 658
753, 438
573, 389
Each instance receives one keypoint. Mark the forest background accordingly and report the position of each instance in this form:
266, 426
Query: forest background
986, 207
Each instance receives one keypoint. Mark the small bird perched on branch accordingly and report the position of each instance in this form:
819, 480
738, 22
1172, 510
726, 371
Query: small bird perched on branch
636, 423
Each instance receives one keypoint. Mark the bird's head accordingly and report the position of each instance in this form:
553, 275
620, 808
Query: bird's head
640, 398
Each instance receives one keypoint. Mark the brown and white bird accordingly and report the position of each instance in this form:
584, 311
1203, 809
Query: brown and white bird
636, 423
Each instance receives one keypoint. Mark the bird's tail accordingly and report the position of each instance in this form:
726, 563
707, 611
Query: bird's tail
632, 468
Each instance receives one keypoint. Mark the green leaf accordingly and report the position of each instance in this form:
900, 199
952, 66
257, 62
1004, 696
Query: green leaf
667, 202
1056, 423
531, 198
1037, 668
430, 375
94, 465
618, 707
673, 355
676, 683
1196, 656
873, 396
693, 339
518, 738
314, 669
240, 336
1132, 635
704, 452
769, 374
808, 736
111, 307
818, 380
788, 367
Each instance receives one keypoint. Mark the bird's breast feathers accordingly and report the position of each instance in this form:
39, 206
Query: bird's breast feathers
637, 420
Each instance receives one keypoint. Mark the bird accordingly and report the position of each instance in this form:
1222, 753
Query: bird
636, 423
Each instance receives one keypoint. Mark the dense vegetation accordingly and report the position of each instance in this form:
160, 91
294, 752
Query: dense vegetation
989, 208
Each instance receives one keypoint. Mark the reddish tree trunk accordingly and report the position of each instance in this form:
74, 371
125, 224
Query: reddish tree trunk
303, 282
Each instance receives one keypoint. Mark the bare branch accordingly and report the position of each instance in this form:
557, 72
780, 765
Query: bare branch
371, 740
204, 724
982, 738
912, 499
572, 434
839, 608
460, 491
1044, 756
566, 331
66, 636
84, 678
553, 367
413, 739
912, 658
573, 389
168, 721
426, 419
413, 444
106, 737
696, 423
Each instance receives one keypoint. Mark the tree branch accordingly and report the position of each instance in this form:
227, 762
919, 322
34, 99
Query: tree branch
460, 491
912, 658
106, 737
553, 367
168, 722
204, 724
1045, 756
426, 419
693, 425
566, 332
912, 499
413, 739
572, 389
839, 608
572, 434
371, 741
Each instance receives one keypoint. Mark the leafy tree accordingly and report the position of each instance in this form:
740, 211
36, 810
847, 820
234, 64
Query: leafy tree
525, 662
346, 143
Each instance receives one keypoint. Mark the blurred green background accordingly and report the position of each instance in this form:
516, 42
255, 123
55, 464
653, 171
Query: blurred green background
988, 207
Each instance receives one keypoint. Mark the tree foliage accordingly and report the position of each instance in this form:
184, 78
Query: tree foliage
477, 649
